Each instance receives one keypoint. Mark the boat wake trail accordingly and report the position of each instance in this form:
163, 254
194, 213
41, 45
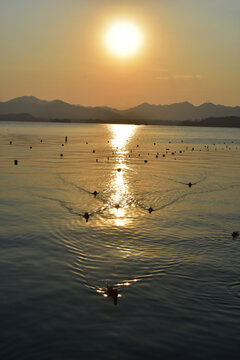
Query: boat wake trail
189, 183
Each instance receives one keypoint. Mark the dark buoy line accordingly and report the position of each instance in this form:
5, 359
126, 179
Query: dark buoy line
86, 215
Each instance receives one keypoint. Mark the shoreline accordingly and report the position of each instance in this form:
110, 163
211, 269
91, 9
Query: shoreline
225, 122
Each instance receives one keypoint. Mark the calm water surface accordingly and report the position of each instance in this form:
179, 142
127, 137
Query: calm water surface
176, 268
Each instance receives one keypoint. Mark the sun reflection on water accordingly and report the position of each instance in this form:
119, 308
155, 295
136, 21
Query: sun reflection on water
121, 195
121, 135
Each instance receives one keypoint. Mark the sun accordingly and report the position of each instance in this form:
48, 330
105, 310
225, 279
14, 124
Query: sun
123, 38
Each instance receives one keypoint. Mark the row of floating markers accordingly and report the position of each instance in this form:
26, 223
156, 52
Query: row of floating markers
235, 234
61, 155
145, 161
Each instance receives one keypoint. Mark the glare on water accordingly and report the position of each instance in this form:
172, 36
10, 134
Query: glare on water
179, 263
120, 190
121, 134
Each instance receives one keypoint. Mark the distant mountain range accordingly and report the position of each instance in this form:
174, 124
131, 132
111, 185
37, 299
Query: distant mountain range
32, 108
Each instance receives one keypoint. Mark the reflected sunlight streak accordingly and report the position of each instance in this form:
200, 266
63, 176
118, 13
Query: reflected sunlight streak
120, 194
121, 134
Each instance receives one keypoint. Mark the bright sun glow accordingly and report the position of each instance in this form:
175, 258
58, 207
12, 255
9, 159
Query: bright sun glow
123, 38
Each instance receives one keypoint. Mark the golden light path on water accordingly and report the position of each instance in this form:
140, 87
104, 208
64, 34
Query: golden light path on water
120, 197
120, 189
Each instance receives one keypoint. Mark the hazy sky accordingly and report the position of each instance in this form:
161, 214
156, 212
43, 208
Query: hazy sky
55, 49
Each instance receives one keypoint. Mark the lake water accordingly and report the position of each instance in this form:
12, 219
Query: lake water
165, 248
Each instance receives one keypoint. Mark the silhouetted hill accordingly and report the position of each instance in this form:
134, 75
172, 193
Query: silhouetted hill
141, 114
56, 109
180, 111
17, 117
231, 121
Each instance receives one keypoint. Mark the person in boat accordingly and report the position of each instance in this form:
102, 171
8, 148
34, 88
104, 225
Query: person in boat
86, 216
113, 293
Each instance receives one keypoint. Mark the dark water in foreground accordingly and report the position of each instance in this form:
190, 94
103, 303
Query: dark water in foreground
176, 269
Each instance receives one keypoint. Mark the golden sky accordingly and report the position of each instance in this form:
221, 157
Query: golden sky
56, 49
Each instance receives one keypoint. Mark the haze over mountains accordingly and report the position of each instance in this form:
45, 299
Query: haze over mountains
144, 113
